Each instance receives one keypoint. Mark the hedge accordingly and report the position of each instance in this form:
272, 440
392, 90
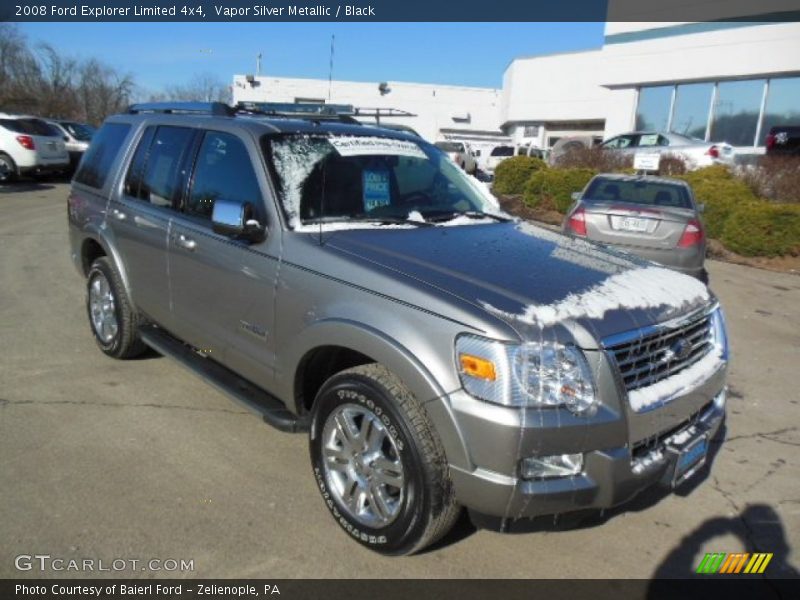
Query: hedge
511, 174
763, 229
553, 188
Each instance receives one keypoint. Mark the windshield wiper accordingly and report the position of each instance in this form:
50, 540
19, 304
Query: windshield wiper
470, 214
364, 219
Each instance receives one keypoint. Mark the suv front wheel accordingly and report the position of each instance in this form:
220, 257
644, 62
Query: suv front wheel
378, 462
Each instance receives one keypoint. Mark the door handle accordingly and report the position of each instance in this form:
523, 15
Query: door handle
118, 214
186, 242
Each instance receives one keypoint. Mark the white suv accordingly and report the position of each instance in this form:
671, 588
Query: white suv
29, 145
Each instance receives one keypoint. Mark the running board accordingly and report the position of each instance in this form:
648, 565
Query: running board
272, 410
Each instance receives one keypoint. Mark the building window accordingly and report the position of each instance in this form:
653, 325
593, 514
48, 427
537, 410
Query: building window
309, 101
531, 131
690, 115
652, 111
782, 105
736, 109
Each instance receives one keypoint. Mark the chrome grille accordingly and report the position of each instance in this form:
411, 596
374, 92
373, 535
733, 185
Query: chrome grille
654, 356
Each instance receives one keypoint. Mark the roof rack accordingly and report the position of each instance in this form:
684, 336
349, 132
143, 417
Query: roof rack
209, 108
308, 110
382, 112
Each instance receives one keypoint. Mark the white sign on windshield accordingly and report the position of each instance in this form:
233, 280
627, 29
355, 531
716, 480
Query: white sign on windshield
646, 161
374, 146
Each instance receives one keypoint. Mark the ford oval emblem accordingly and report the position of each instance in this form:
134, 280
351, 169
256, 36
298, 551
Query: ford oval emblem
681, 349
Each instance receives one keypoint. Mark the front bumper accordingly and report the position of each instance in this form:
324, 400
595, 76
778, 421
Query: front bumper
624, 453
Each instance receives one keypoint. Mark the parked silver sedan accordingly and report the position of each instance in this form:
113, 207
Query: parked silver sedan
653, 217
694, 152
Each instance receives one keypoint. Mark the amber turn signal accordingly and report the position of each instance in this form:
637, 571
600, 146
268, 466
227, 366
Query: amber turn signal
477, 367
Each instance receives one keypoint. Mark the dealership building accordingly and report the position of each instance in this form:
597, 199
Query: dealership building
719, 81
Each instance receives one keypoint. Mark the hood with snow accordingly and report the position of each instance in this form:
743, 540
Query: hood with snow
530, 277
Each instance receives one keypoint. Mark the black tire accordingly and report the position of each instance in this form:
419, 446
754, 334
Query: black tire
428, 508
8, 169
125, 343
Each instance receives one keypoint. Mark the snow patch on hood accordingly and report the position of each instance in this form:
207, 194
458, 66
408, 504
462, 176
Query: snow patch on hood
650, 287
347, 225
666, 389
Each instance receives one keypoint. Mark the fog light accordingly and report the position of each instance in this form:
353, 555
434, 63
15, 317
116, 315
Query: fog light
548, 467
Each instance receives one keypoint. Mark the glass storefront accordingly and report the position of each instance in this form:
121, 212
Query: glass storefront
690, 115
736, 115
653, 109
783, 105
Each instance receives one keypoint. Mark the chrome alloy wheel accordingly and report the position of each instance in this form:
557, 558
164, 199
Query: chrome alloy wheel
362, 465
102, 309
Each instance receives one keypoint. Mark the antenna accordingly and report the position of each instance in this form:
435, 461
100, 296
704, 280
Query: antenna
258, 64
330, 68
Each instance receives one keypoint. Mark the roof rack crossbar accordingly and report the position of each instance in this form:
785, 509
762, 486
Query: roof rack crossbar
300, 109
210, 108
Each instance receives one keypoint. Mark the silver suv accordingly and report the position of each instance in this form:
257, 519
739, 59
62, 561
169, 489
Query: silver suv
353, 283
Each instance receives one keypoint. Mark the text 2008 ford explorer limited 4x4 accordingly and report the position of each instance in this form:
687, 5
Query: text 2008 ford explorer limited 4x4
354, 283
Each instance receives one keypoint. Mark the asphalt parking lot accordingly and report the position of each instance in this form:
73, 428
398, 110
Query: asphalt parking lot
141, 459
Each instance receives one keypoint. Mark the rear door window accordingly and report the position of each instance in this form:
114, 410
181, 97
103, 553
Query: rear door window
102, 152
156, 172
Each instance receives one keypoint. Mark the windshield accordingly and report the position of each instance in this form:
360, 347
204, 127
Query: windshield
503, 151
79, 131
450, 146
366, 178
637, 191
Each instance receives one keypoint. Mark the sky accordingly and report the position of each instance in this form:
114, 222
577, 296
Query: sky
163, 54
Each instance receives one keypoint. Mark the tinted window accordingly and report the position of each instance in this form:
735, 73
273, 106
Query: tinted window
29, 127
223, 170
133, 180
782, 106
450, 146
162, 176
637, 191
503, 151
101, 154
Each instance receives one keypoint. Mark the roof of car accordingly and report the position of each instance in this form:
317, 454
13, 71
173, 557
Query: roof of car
260, 125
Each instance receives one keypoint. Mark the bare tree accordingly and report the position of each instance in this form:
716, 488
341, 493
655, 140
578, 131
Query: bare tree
202, 87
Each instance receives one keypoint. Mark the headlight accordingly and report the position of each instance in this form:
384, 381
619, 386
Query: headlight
531, 374
719, 333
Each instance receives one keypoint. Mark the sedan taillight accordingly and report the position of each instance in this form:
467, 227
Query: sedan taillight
770, 142
713, 152
692, 234
577, 222
26, 141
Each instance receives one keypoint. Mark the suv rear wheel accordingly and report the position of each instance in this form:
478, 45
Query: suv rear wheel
8, 170
113, 321
378, 462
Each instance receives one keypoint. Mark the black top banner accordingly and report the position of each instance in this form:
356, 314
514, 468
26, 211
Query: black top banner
397, 10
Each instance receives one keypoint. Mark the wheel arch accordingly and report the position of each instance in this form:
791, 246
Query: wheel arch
364, 344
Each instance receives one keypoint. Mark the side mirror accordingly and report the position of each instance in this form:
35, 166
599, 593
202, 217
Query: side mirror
701, 208
576, 196
237, 219
66, 138
477, 153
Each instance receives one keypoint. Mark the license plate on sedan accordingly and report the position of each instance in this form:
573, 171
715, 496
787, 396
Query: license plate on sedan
633, 224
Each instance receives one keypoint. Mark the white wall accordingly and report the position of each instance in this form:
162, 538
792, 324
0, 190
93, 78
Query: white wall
730, 53
438, 107
557, 87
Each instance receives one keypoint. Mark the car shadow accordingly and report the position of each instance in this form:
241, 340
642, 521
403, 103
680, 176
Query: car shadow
25, 186
758, 528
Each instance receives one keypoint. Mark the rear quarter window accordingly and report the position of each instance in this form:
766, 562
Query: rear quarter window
102, 153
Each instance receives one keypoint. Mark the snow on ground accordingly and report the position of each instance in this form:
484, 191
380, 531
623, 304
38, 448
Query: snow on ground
650, 287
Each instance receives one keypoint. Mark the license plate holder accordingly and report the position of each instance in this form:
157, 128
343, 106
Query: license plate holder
633, 224
688, 458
